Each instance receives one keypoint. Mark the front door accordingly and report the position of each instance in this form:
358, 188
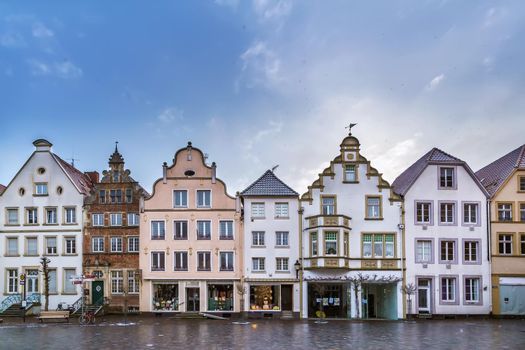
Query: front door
97, 292
423, 296
192, 299
31, 281
287, 297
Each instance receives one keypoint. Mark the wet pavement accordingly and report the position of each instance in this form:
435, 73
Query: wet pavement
169, 333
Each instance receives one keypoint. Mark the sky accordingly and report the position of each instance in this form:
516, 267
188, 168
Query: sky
255, 84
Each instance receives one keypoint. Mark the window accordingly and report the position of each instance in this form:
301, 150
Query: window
470, 213
51, 216
70, 245
12, 216
157, 230
97, 244
203, 229
446, 178
281, 238
505, 212
330, 243
117, 282
181, 230
133, 244
41, 189
472, 289
157, 261
180, 199
258, 264
314, 246
181, 261
505, 244
32, 216
522, 244
52, 281
133, 282
389, 246
116, 244
423, 212
367, 246
448, 289
448, 253
12, 281
471, 251
203, 198
258, 238
102, 196
258, 210
281, 210
226, 229
69, 288
328, 205
424, 251
12, 246
203, 261
373, 207
522, 211
521, 183
116, 219
70, 215
129, 195
350, 175
226, 261
32, 246
51, 245
447, 213
281, 264
133, 219
378, 245
116, 196
97, 219
346, 244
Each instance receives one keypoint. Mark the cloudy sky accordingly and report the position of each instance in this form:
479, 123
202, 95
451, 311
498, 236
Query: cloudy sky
260, 83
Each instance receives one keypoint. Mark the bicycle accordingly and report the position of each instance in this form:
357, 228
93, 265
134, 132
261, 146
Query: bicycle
87, 317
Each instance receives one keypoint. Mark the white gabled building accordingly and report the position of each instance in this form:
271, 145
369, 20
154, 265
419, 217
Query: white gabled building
352, 241
271, 248
41, 215
447, 258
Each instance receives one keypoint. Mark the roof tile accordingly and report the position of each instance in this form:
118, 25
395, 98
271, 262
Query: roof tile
269, 185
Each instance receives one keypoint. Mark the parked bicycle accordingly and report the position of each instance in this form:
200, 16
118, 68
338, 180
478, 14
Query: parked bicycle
87, 317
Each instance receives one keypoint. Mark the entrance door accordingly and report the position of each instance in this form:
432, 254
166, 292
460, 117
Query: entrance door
287, 297
192, 299
423, 296
371, 305
31, 281
97, 292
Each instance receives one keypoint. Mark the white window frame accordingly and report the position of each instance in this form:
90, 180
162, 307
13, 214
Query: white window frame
177, 196
133, 219
54, 216
97, 219
116, 244
282, 264
8, 246
204, 204
182, 227
257, 210
258, 239
282, 210
70, 215
158, 230
133, 282
230, 261
157, 255
41, 189
115, 219
178, 258
132, 244
47, 246
226, 228
206, 230
204, 253
97, 244
282, 239
117, 281
70, 249
8, 216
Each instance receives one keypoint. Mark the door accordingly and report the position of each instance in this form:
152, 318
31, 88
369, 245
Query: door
371, 305
512, 299
287, 297
423, 296
31, 281
192, 300
97, 292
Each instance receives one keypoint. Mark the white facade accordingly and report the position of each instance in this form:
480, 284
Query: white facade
336, 241
447, 258
41, 215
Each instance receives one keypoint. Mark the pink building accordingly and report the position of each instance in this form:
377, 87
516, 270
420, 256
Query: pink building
190, 240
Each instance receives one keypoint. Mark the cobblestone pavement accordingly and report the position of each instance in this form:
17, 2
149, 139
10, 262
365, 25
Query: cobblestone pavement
143, 332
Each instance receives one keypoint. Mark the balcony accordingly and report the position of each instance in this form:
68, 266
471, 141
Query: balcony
327, 221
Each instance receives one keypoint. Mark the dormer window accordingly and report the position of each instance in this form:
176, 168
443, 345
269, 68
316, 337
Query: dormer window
447, 178
41, 189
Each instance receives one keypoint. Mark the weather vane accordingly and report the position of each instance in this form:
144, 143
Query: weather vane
349, 127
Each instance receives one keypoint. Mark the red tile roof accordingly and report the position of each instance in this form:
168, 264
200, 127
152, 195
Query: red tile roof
81, 181
496, 173
2, 189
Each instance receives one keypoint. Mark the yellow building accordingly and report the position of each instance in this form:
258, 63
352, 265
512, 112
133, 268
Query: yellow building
504, 179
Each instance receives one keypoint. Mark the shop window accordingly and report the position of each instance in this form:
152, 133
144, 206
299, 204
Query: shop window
165, 297
220, 297
265, 298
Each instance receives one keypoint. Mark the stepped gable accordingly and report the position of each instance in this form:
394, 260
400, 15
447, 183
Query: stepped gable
269, 185
494, 175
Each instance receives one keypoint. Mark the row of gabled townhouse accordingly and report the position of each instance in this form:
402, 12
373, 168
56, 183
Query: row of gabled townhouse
352, 246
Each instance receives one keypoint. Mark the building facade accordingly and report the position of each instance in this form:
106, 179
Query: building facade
352, 241
190, 240
111, 237
42, 217
271, 248
504, 179
446, 245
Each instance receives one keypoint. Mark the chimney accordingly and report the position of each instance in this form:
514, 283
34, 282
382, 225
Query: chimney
42, 145
93, 176
213, 172
164, 172
238, 202
189, 150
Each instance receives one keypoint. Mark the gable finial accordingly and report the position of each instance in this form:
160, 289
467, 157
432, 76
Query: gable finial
116, 146
349, 127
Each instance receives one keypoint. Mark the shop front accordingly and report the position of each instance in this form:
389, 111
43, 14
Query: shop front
327, 300
220, 297
165, 296
379, 300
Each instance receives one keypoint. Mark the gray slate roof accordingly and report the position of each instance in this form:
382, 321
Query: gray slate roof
269, 185
496, 173
435, 156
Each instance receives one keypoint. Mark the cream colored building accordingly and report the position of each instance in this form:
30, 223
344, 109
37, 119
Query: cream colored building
190, 240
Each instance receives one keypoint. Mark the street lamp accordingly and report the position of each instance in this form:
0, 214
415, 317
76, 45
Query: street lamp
297, 266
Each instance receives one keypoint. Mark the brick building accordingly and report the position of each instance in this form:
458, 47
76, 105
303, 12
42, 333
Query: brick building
111, 238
